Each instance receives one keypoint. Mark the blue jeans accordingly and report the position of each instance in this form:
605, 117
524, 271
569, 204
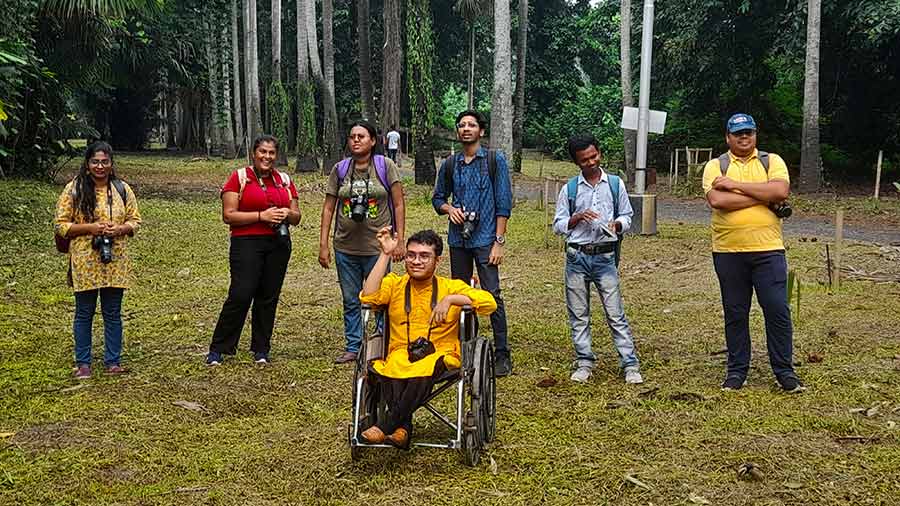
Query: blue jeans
352, 271
581, 271
111, 307
739, 275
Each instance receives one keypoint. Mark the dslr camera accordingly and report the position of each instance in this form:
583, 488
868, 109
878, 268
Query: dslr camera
281, 229
359, 207
103, 244
781, 209
419, 349
469, 223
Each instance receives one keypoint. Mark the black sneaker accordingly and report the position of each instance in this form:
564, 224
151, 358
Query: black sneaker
733, 383
261, 358
791, 384
502, 366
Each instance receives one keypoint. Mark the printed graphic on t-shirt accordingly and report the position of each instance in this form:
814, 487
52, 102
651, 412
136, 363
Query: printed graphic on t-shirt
367, 189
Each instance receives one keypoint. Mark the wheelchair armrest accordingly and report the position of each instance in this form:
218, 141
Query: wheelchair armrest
373, 308
468, 309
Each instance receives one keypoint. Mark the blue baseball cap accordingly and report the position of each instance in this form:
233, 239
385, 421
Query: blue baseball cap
740, 121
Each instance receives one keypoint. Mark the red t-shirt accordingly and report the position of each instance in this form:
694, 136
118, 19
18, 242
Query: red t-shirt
255, 198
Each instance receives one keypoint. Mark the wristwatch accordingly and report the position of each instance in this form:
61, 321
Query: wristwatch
501, 240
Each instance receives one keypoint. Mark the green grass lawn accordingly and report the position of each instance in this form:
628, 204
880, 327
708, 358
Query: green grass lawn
277, 434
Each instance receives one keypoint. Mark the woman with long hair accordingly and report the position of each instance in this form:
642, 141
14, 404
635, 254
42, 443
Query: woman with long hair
366, 192
97, 213
258, 204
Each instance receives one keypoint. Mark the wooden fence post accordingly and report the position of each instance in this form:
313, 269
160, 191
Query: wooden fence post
878, 174
838, 239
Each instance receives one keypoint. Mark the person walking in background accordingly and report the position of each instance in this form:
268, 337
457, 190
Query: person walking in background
258, 204
744, 187
363, 194
96, 215
392, 140
479, 181
593, 212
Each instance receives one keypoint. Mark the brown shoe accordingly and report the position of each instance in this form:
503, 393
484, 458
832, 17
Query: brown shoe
83, 372
400, 438
373, 435
115, 369
346, 357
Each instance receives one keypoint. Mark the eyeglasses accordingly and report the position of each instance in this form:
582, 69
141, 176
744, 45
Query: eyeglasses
358, 137
411, 256
744, 133
102, 163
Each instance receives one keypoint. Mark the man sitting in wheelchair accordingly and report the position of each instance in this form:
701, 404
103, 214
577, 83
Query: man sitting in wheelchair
423, 313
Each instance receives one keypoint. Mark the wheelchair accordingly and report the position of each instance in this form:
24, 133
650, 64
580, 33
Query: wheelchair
473, 424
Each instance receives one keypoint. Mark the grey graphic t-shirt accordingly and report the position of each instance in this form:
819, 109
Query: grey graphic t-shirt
358, 238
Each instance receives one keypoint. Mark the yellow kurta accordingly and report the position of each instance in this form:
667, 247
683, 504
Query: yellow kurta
444, 336
88, 272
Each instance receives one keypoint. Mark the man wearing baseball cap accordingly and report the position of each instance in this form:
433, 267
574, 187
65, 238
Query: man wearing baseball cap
743, 186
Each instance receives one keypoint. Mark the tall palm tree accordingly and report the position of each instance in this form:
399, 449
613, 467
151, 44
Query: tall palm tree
519, 112
276, 40
331, 143
365, 59
471, 10
212, 81
630, 136
307, 160
419, 59
251, 57
227, 131
810, 155
393, 65
236, 75
501, 102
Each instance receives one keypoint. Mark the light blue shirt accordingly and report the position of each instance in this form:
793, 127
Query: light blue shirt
598, 199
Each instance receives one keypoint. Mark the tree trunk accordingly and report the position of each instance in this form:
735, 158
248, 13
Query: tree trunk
276, 40
365, 60
236, 70
313, 41
501, 101
810, 157
419, 58
629, 136
251, 55
227, 131
393, 61
470, 95
332, 145
212, 79
519, 113
171, 119
306, 102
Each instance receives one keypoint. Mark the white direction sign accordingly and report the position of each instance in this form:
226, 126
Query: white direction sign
630, 120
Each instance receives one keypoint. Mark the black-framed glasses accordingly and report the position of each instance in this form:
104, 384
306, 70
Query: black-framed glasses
100, 163
423, 257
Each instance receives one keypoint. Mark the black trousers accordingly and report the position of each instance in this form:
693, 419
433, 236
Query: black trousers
740, 274
462, 262
258, 265
405, 396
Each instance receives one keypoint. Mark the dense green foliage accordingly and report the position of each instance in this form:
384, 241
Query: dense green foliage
71, 69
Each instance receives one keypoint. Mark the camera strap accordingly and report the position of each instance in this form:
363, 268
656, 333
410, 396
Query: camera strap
407, 304
109, 199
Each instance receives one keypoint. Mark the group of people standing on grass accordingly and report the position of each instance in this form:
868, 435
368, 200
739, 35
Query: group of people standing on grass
364, 212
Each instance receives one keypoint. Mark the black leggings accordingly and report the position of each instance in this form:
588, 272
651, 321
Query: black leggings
404, 396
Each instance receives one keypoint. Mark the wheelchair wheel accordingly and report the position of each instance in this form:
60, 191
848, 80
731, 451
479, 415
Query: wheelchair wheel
483, 388
471, 441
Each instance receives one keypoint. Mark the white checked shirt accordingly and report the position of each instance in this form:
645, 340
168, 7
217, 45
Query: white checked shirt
598, 199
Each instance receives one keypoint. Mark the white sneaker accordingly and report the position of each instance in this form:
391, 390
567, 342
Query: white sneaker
581, 375
633, 377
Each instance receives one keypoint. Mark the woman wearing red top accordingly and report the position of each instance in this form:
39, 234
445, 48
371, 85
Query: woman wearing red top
260, 250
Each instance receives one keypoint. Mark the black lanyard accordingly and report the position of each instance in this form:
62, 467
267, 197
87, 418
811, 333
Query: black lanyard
407, 304
368, 176
109, 199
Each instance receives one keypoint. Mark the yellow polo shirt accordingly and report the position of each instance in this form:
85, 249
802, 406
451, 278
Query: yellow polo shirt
754, 228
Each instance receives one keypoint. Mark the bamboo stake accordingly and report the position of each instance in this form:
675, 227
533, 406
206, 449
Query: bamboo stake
671, 163
676, 168
878, 173
545, 199
838, 239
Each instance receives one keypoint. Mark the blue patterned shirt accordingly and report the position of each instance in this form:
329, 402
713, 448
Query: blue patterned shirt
474, 191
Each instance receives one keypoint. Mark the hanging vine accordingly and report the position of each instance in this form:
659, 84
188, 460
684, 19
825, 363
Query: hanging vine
306, 129
279, 103
419, 62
